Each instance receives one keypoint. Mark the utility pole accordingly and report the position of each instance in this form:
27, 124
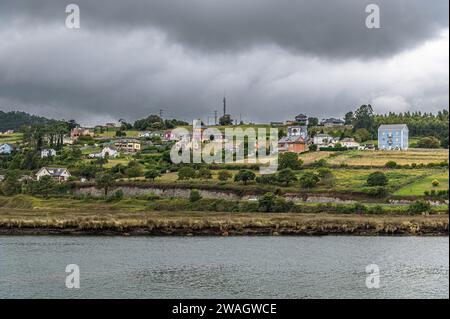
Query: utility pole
224, 106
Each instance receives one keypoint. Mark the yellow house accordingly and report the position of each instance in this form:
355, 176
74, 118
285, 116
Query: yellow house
128, 145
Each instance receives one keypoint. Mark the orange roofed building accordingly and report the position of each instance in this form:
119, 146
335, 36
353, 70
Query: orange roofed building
295, 144
295, 141
78, 131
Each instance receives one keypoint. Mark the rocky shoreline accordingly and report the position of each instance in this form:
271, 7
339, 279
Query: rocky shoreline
363, 230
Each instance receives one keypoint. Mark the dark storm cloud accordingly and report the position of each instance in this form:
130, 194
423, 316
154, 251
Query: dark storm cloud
273, 59
320, 27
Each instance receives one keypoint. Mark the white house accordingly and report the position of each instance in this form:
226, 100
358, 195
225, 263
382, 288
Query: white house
298, 130
6, 149
107, 151
2, 178
144, 134
57, 173
332, 122
67, 140
323, 139
48, 153
349, 143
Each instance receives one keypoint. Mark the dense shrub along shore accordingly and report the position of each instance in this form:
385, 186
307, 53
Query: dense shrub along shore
197, 216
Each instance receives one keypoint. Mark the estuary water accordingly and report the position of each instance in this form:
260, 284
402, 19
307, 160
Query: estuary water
225, 267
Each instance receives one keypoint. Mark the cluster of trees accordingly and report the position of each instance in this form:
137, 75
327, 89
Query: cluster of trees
420, 124
38, 137
46, 186
154, 122
431, 126
15, 120
30, 159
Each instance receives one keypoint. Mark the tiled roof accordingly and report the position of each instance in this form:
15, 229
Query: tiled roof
291, 139
392, 126
55, 171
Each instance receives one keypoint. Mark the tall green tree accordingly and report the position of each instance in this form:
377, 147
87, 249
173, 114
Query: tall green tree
105, 181
290, 160
286, 176
364, 119
244, 176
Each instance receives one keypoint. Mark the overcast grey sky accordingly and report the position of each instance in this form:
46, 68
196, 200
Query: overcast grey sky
272, 58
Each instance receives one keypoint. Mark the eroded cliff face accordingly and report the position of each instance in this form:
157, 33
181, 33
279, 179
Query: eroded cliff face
173, 192
129, 191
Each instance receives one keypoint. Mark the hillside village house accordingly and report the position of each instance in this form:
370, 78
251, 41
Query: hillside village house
323, 139
349, 142
6, 149
295, 144
332, 122
48, 153
2, 178
393, 137
67, 140
147, 134
107, 151
276, 124
173, 135
128, 145
302, 119
295, 141
57, 173
298, 130
79, 131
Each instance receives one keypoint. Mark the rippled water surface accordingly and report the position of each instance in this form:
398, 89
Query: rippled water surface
217, 267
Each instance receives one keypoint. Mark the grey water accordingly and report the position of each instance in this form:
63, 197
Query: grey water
224, 267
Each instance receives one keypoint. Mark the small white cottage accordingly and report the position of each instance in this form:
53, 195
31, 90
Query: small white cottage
57, 173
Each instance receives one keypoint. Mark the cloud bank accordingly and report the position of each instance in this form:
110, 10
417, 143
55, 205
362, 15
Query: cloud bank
272, 59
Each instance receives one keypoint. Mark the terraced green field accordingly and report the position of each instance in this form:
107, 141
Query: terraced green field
378, 158
11, 138
425, 184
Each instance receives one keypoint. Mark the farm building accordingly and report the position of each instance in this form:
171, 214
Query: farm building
393, 137
59, 174
6, 149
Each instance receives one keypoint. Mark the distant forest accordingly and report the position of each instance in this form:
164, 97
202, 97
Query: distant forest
14, 120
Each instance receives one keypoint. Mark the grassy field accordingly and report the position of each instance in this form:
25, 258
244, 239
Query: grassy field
378, 158
425, 184
346, 179
112, 134
177, 223
115, 161
90, 150
139, 205
412, 142
14, 138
